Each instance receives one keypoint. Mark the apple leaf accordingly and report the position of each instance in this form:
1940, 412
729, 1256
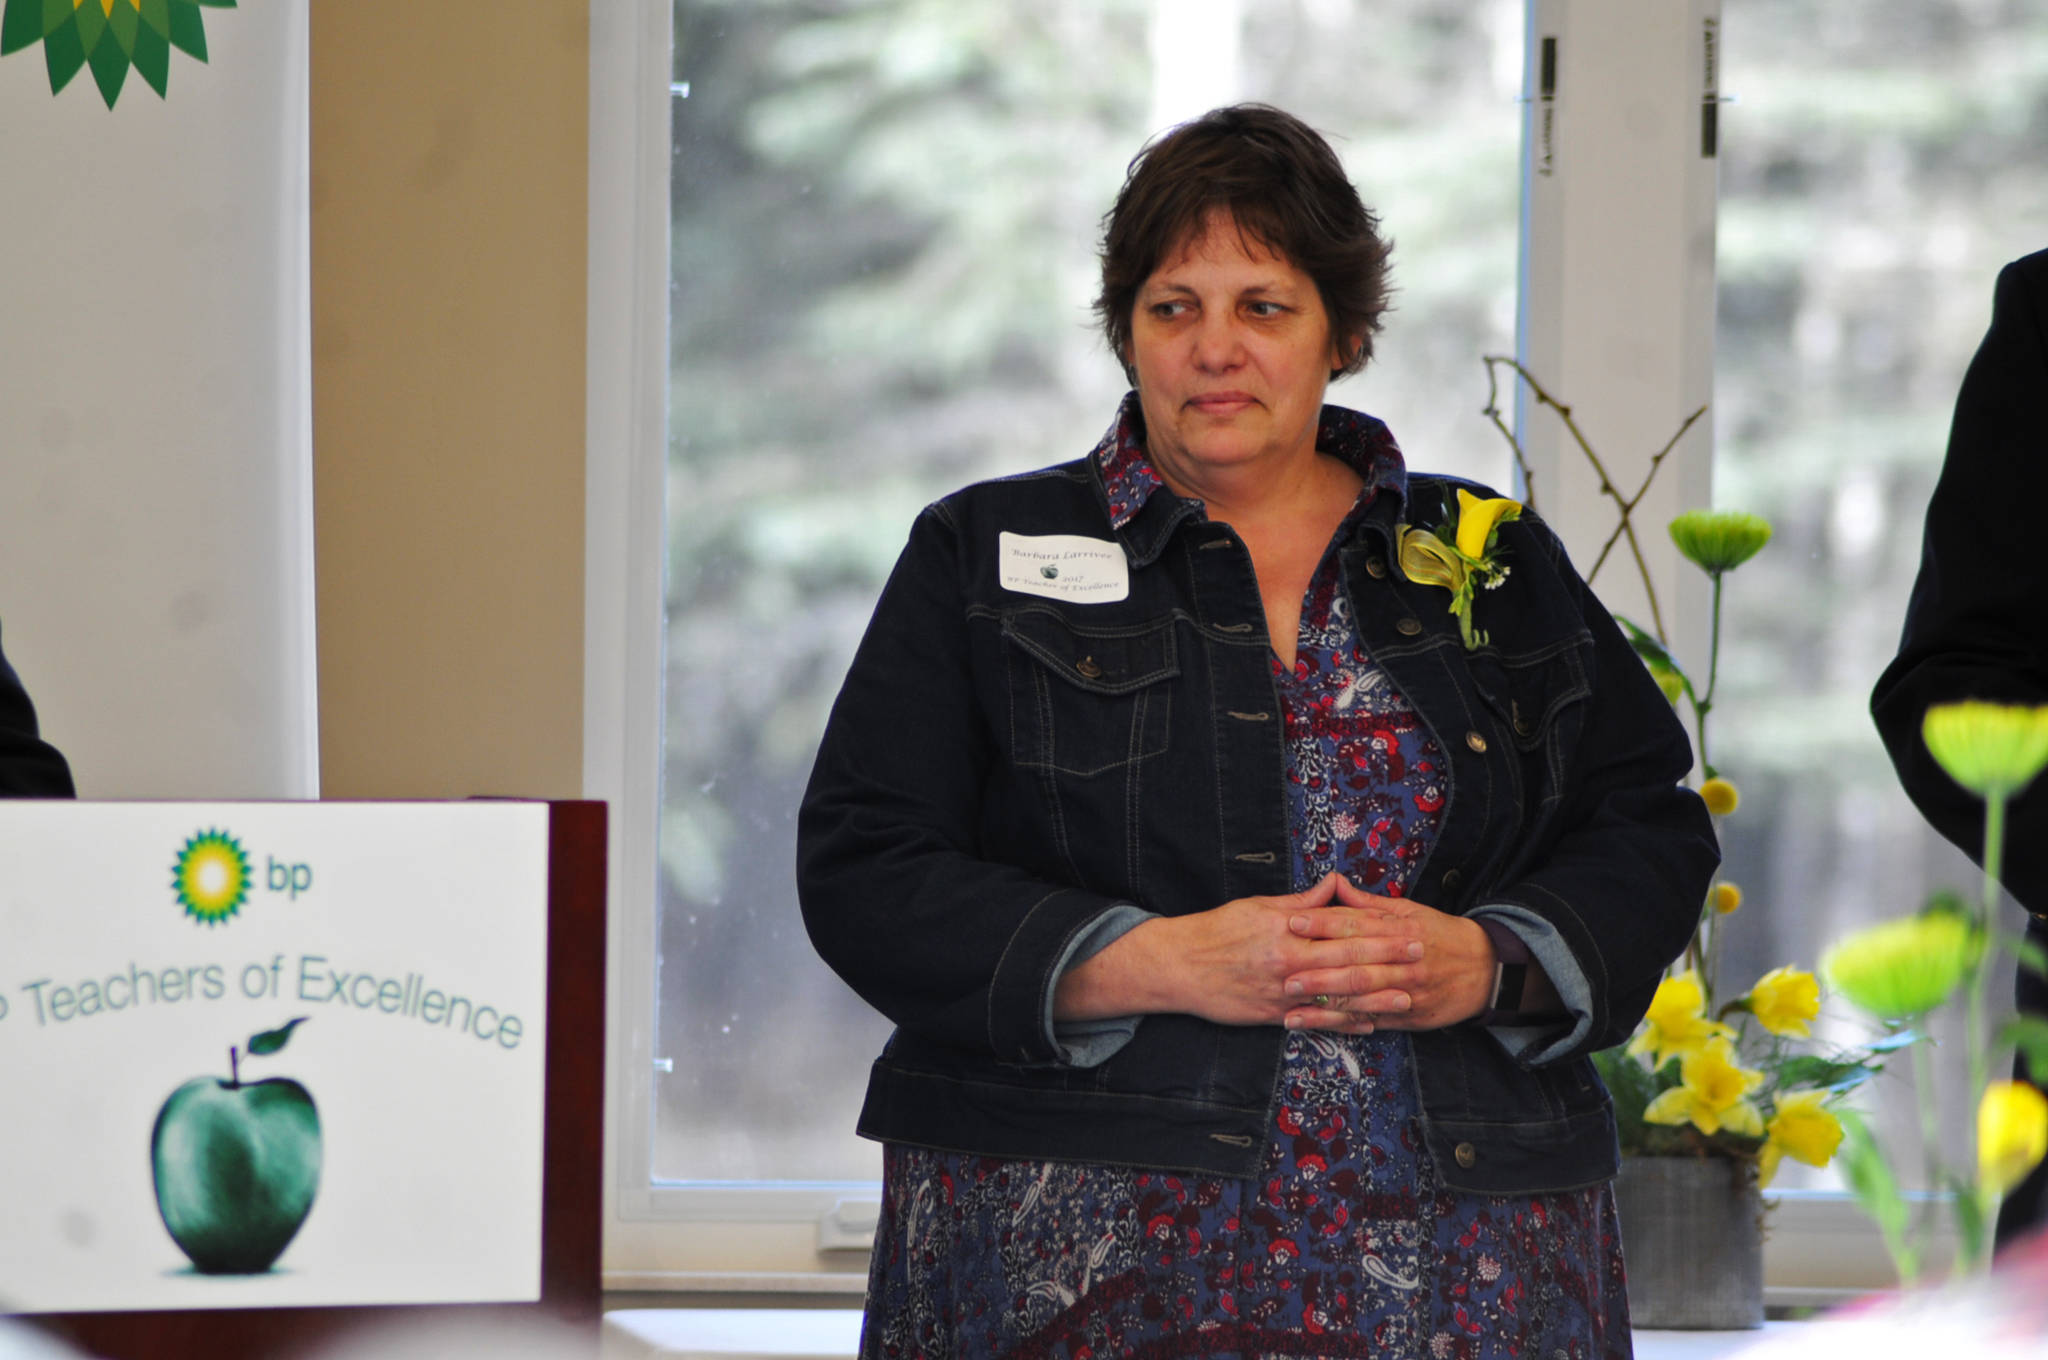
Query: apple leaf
271, 1040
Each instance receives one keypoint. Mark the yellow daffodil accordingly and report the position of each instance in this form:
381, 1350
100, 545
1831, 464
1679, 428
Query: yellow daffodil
1677, 1021
1720, 796
2012, 1133
1727, 899
1784, 1000
1993, 750
1477, 519
1906, 968
1801, 1127
1720, 540
1712, 1094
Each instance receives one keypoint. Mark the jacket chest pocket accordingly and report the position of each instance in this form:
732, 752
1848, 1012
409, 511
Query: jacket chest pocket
1539, 698
1086, 701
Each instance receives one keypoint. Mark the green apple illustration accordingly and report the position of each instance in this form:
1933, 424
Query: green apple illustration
237, 1163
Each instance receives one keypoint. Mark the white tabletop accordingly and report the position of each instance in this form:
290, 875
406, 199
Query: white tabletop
732, 1334
1706, 1345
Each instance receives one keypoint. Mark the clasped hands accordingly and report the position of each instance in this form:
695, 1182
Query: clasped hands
1334, 957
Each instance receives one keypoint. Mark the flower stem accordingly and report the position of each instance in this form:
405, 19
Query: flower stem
1707, 935
1994, 853
1709, 931
1705, 703
1977, 1255
1930, 1126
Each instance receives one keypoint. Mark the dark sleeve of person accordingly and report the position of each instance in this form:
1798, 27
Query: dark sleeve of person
29, 766
895, 896
1977, 624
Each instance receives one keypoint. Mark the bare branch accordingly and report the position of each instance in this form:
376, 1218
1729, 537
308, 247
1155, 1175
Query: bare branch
1629, 506
1624, 505
1492, 412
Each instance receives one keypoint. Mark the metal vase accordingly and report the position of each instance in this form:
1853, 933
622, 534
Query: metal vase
1692, 1240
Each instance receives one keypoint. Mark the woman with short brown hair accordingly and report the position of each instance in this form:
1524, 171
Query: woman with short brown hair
1246, 918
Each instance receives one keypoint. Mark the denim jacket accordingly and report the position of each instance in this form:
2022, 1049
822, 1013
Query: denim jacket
1011, 759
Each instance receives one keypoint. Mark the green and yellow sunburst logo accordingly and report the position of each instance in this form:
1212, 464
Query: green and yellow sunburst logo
109, 36
211, 877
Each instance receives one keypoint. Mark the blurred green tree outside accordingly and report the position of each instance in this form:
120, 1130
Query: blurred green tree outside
883, 258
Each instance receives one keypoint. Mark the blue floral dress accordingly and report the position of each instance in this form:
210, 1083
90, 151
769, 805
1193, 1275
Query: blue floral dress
1346, 1243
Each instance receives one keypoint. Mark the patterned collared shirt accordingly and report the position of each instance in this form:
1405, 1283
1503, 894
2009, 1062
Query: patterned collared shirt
1365, 777
1362, 442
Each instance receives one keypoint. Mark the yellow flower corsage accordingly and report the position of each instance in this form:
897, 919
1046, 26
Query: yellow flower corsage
1461, 556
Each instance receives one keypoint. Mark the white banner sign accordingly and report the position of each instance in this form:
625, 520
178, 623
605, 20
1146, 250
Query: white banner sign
271, 1054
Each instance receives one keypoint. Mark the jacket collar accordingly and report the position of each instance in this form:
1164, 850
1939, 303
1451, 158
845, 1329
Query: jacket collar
1144, 512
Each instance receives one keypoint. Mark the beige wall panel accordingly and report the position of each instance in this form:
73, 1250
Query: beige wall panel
449, 219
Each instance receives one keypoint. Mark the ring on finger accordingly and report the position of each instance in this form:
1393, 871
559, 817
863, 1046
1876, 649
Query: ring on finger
1322, 1000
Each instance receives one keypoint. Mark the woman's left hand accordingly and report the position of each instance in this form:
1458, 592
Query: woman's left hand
1452, 981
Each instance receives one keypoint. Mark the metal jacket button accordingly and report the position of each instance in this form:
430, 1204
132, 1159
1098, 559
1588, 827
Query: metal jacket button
1086, 665
1467, 1155
1452, 878
1475, 741
1375, 568
1408, 627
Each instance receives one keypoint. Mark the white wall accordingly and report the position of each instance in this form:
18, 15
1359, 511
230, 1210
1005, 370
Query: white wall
155, 440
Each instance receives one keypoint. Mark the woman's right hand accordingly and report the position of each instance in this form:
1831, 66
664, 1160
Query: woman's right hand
1229, 964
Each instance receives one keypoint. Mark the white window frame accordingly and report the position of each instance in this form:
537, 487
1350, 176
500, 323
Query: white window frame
807, 1237
771, 1237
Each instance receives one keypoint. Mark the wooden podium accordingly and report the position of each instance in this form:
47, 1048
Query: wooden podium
572, 1161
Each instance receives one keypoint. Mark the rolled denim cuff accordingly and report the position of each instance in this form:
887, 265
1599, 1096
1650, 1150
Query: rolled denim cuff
1536, 1040
1089, 1043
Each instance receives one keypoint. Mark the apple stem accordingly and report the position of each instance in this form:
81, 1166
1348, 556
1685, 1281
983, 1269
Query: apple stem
234, 1068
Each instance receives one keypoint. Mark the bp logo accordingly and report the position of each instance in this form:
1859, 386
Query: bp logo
109, 36
211, 877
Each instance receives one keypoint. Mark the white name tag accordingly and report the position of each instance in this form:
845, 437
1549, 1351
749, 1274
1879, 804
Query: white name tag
1064, 567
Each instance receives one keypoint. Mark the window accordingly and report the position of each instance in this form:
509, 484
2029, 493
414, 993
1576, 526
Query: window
1878, 166
885, 216
878, 233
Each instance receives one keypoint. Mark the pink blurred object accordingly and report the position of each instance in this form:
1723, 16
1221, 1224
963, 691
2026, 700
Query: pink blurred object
2000, 1316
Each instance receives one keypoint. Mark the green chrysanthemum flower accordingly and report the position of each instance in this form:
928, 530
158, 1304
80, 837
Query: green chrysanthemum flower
109, 36
1902, 969
1993, 750
1720, 540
